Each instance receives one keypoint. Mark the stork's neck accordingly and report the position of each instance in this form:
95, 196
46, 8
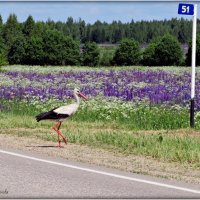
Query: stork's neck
77, 99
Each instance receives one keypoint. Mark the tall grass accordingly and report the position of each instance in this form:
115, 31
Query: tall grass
121, 130
133, 116
161, 146
141, 118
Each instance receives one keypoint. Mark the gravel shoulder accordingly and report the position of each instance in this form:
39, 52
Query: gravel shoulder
100, 157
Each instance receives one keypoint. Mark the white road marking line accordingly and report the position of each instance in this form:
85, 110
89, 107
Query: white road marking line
103, 173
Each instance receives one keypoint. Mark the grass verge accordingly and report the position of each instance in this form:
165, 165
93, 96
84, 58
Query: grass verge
182, 146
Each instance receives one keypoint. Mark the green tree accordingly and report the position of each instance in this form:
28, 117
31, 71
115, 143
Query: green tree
39, 29
117, 31
3, 54
59, 49
128, 53
52, 48
17, 52
34, 51
189, 53
11, 30
1, 23
28, 27
149, 57
82, 29
51, 24
96, 33
168, 51
70, 52
91, 54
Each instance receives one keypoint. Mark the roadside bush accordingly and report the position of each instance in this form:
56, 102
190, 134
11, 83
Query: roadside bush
128, 53
91, 54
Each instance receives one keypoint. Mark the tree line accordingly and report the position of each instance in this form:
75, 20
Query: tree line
103, 32
58, 43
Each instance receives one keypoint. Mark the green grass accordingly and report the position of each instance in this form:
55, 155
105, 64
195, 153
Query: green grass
106, 55
139, 118
160, 146
132, 116
181, 146
116, 132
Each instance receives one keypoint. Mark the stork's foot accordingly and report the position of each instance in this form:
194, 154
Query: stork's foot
60, 146
65, 140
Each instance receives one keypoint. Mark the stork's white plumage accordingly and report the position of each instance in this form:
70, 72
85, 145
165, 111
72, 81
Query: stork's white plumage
69, 109
61, 113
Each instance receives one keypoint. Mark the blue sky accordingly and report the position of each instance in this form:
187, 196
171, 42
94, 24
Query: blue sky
92, 11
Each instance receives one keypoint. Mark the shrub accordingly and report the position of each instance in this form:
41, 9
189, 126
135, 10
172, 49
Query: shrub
91, 54
164, 52
128, 53
168, 51
149, 56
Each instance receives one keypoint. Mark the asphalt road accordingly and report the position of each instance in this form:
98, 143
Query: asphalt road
28, 175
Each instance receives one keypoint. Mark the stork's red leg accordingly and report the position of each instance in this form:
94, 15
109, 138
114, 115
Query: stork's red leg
56, 127
64, 139
59, 141
58, 137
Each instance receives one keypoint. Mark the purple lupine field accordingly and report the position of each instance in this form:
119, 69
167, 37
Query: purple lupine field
150, 86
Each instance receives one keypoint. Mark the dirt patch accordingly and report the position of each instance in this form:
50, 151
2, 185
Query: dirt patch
101, 157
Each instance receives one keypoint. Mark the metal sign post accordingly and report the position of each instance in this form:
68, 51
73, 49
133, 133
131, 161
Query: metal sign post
194, 30
191, 9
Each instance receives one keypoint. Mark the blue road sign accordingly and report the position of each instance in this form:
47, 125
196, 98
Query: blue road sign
186, 9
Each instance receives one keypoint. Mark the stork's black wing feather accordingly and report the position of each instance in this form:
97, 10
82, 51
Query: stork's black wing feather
50, 115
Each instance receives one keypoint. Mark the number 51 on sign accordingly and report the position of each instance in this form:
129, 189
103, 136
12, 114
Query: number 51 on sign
186, 9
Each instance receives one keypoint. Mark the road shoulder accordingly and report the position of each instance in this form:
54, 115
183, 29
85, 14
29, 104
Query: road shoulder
102, 157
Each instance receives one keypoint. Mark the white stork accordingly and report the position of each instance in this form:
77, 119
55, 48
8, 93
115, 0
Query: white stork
61, 113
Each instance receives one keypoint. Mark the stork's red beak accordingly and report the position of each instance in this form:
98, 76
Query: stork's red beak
82, 95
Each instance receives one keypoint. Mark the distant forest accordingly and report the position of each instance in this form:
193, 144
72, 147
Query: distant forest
112, 33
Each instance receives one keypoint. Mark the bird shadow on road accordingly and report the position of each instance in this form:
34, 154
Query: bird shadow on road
42, 146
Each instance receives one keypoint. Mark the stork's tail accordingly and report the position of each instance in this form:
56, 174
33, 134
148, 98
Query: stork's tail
46, 115
41, 116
